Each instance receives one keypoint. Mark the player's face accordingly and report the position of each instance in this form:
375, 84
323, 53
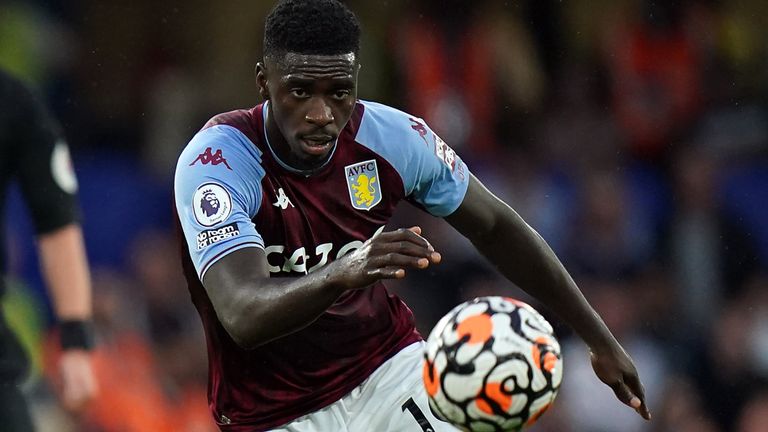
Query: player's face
311, 99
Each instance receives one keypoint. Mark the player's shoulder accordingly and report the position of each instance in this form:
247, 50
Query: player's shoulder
241, 119
237, 129
383, 125
230, 134
379, 115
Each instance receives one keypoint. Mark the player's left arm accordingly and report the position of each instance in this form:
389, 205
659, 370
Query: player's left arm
523, 256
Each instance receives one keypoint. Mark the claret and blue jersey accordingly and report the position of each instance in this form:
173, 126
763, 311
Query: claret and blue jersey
232, 192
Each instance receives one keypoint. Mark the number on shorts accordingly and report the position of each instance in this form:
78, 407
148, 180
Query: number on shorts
411, 406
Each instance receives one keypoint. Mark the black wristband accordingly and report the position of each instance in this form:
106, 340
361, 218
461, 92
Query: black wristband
76, 334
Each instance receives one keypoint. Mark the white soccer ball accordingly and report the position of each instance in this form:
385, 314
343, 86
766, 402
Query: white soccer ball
492, 364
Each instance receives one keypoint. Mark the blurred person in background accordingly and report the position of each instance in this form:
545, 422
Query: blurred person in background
35, 154
682, 408
477, 103
732, 371
611, 239
656, 75
176, 337
710, 253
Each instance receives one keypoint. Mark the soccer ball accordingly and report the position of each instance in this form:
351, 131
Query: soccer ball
492, 364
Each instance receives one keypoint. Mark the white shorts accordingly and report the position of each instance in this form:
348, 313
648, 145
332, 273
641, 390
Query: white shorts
392, 399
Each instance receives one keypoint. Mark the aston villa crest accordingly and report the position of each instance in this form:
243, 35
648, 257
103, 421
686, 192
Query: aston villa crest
363, 184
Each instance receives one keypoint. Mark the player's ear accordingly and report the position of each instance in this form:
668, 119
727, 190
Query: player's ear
261, 80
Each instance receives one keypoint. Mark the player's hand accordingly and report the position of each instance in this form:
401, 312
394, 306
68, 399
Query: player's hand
386, 256
77, 378
615, 368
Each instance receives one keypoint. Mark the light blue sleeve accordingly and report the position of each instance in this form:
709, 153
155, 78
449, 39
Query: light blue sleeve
433, 175
217, 189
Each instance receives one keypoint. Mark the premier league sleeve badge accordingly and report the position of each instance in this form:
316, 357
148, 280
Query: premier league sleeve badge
212, 204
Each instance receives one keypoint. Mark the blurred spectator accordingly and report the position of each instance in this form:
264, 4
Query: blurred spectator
470, 72
681, 409
610, 239
731, 370
710, 254
153, 264
577, 133
175, 334
655, 75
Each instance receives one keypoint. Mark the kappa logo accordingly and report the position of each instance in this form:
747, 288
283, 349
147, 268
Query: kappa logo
421, 128
209, 157
212, 204
282, 200
363, 184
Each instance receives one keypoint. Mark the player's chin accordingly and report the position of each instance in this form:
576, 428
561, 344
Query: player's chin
316, 150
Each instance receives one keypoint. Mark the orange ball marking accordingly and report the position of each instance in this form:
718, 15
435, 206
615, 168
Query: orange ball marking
493, 391
484, 406
478, 327
536, 352
550, 361
431, 380
536, 355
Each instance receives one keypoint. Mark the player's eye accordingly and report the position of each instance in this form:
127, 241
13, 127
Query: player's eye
341, 94
299, 93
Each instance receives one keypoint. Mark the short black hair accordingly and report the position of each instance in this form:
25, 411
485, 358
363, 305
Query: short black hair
315, 27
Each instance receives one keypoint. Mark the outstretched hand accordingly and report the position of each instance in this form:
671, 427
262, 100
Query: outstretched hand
615, 368
386, 256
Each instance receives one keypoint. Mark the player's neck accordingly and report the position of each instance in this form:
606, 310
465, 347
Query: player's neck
275, 139
280, 149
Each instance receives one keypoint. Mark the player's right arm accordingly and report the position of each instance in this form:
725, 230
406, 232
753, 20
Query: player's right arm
216, 203
255, 309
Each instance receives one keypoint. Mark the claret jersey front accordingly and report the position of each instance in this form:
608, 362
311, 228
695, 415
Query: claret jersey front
232, 192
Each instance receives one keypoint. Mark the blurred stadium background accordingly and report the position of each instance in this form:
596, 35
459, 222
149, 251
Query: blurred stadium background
633, 134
